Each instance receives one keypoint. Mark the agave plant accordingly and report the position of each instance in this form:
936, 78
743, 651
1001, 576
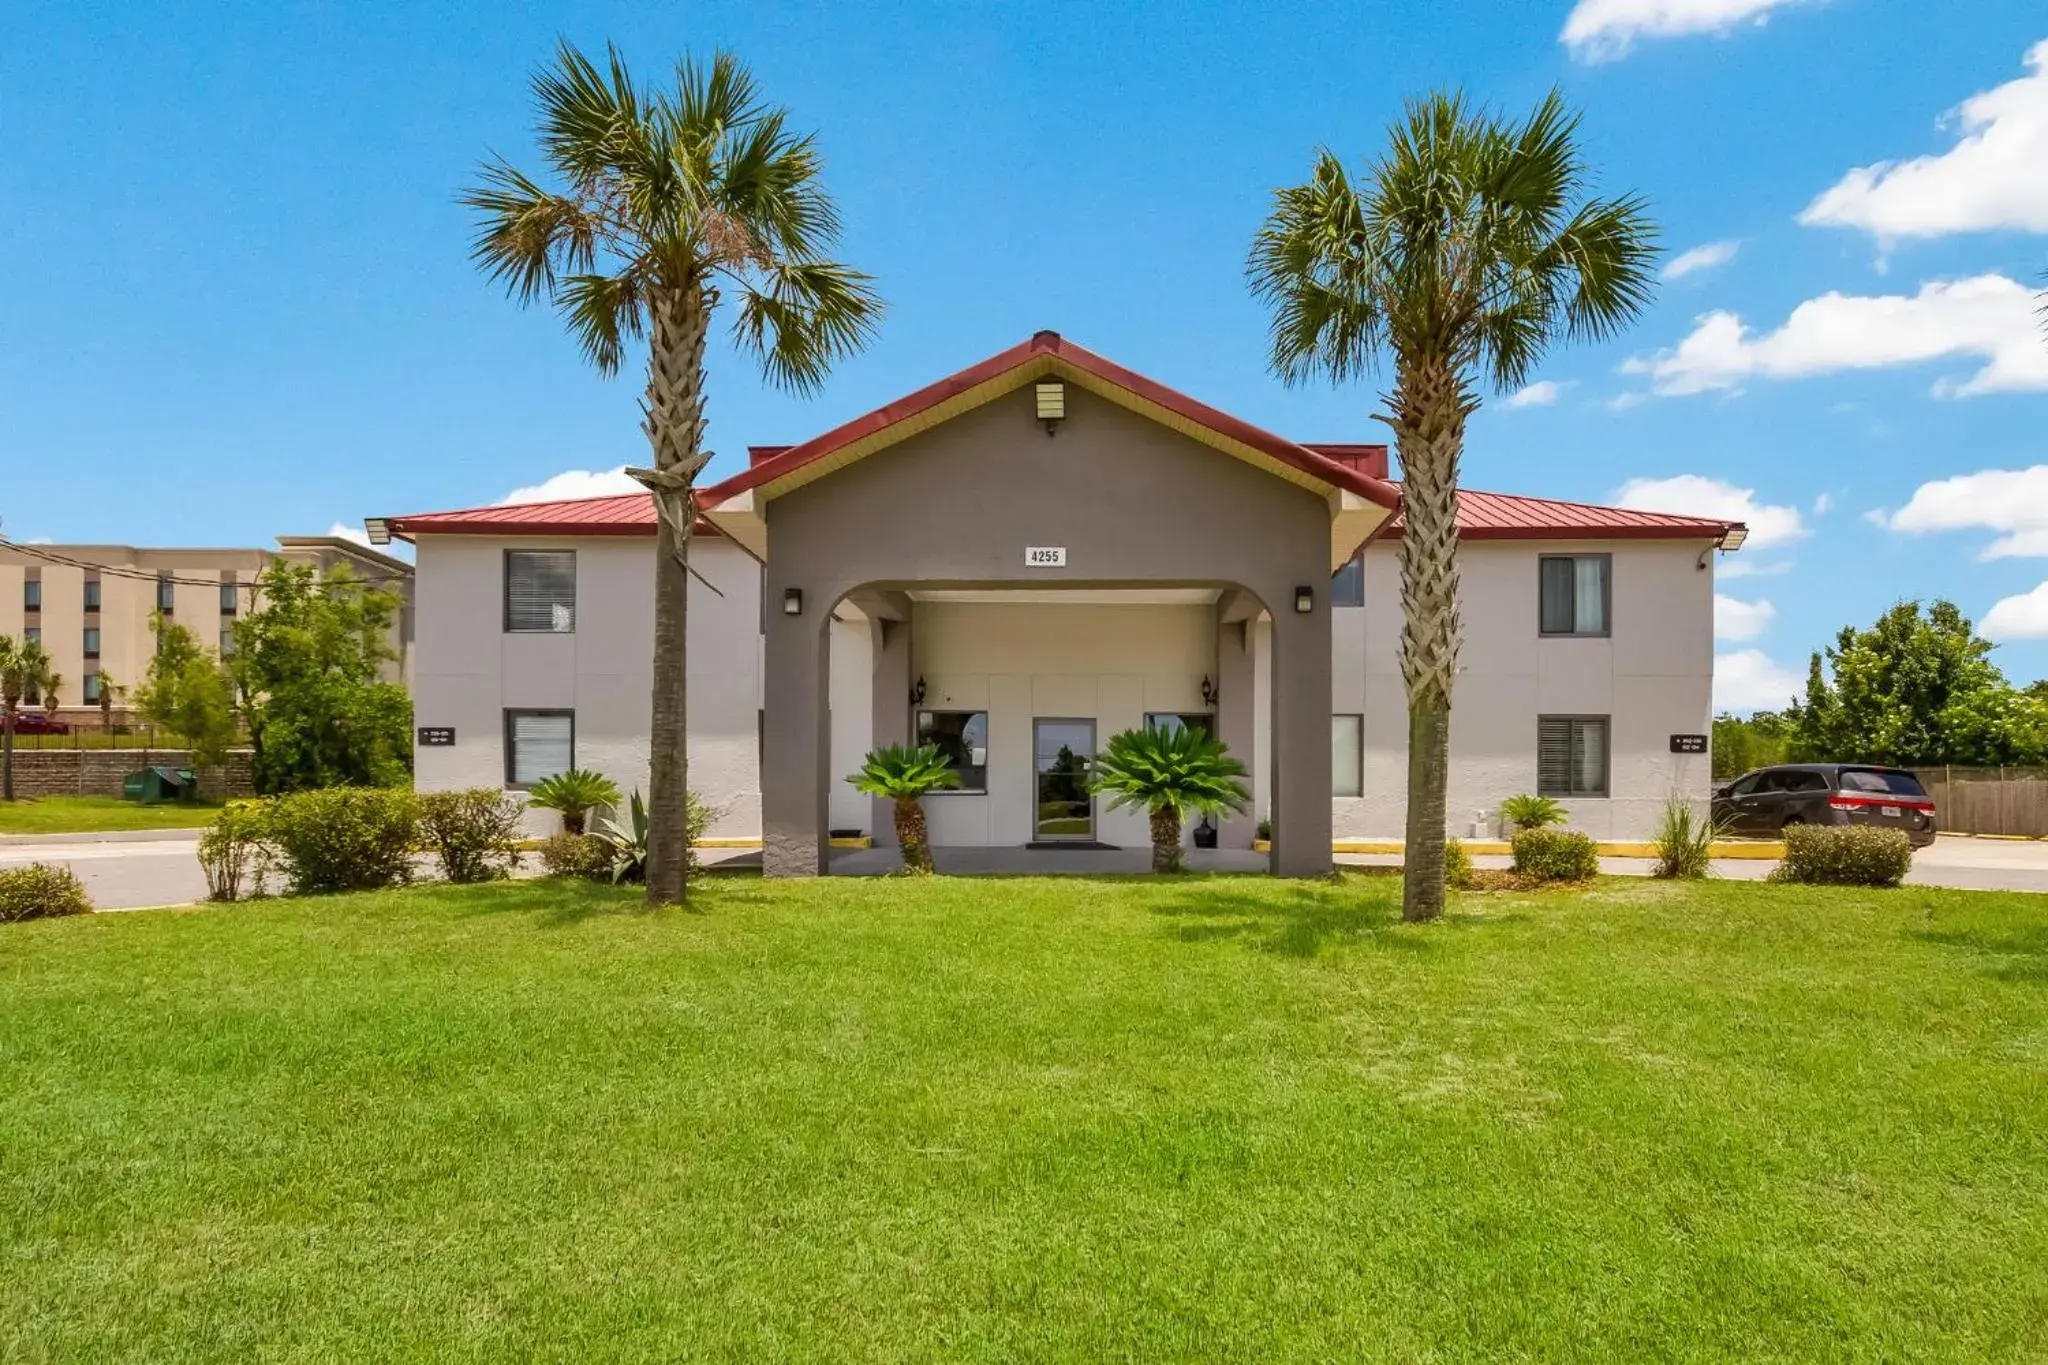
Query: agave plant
1170, 773
628, 841
575, 793
904, 775
1531, 812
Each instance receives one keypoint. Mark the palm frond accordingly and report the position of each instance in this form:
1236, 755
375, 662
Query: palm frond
603, 311
800, 318
528, 235
1175, 770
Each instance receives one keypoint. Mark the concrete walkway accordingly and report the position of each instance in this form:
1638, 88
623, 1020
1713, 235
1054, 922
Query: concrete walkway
161, 867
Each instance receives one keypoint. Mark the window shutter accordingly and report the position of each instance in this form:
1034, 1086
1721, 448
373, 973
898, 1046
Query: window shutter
1554, 757
540, 591
1558, 617
542, 745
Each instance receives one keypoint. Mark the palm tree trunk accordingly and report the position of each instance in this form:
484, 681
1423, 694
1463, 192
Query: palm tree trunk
911, 834
673, 419
7, 763
1166, 840
1430, 407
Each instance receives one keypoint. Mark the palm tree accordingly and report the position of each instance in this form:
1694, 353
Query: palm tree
905, 775
109, 692
51, 683
574, 793
1469, 247
1170, 773
663, 199
24, 668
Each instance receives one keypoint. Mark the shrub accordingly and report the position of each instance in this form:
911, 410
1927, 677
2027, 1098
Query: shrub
1844, 855
574, 793
1684, 841
345, 838
235, 852
1457, 866
577, 855
628, 840
1556, 855
475, 833
1265, 830
39, 891
1531, 812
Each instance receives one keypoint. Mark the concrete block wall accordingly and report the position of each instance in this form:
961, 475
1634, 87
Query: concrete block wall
98, 772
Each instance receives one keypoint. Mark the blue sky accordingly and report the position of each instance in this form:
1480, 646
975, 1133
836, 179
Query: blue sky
238, 299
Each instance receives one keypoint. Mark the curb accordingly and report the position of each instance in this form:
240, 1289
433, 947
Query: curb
105, 836
1757, 850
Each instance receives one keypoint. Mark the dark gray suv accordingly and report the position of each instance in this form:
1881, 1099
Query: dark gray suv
1765, 801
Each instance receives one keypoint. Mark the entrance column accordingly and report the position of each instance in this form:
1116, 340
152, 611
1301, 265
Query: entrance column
1235, 725
891, 711
1301, 738
796, 739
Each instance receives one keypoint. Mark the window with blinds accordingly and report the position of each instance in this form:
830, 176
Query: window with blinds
1574, 594
1347, 755
1571, 755
540, 591
538, 744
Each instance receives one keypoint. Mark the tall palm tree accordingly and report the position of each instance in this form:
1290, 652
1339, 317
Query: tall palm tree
661, 201
24, 668
1463, 253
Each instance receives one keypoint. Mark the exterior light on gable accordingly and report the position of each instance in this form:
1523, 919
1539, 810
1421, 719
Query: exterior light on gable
1732, 539
1304, 599
1052, 404
792, 601
378, 530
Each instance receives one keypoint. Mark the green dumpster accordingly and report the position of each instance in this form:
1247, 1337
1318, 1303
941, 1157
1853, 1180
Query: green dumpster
160, 784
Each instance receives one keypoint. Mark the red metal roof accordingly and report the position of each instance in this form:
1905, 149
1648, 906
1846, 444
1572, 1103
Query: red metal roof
1510, 516
620, 514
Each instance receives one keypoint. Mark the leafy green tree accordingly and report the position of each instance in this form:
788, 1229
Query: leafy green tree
1755, 742
663, 200
1467, 250
188, 693
307, 668
906, 775
24, 667
1170, 772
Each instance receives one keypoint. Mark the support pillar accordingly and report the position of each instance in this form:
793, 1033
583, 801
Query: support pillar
1235, 720
1301, 738
891, 715
797, 738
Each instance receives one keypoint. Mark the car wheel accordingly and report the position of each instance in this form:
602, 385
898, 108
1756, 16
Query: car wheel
1792, 820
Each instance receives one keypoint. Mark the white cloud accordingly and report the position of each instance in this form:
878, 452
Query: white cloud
1823, 504
1988, 317
1695, 495
2011, 502
1992, 178
1750, 680
1879, 518
2021, 617
1735, 619
574, 483
1599, 30
1540, 394
1622, 402
1743, 567
345, 531
1701, 258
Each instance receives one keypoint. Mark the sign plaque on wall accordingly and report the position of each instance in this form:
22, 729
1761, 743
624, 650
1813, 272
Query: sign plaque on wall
437, 736
1688, 744
1045, 556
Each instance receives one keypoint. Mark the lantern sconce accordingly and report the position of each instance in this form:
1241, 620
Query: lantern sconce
1209, 691
917, 691
1304, 600
792, 601
1052, 404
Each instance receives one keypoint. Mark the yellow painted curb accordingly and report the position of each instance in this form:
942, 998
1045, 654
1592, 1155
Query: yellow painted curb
1745, 849
862, 842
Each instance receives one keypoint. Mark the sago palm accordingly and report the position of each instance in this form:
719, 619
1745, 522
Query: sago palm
574, 793
1464, 252
905, 775
659, 203
1170, 773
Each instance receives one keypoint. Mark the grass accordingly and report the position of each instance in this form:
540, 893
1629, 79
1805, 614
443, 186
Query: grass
1215, 1119
84, 814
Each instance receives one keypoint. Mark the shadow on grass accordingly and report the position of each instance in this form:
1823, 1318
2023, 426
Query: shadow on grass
1296, 919
2015, 952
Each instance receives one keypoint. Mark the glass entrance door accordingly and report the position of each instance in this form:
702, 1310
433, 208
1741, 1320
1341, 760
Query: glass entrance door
1061, 751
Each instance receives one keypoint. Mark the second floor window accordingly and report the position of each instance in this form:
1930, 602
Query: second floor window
227, 599
540, 591
32, 595
1347, 585
1575, 593
166, 595
227, 641
92, 642
92, 594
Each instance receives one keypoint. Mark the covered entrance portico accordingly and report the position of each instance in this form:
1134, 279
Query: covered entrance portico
1050, 581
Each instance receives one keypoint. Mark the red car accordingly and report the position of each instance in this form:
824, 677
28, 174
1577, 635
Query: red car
39, 723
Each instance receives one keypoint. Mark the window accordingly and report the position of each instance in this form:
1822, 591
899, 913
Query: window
32, 634
92, 642
1180, 720
92, 689
1575, 593
32, 595
540, 591
538, 744
1347, 755
92, 594
963, 736
1347, 585
166, 594
32, 695
1571, 755
227, 641
1882, 783
227, 599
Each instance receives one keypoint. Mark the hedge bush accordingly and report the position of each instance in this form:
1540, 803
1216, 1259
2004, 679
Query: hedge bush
474, 832
344, 838
235, 853
1844, 855
1457, 866
577, 855
39, 891
1556, 855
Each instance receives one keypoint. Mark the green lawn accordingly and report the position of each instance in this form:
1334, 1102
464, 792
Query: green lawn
82, 814
1224, 1119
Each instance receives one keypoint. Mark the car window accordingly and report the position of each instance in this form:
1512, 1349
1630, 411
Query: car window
1805, 782
1881, 782
1745, 785
1771, 782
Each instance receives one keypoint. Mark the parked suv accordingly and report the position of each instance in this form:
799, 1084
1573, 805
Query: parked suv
1765, 801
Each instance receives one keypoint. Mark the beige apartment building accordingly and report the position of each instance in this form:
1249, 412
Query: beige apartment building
90, 606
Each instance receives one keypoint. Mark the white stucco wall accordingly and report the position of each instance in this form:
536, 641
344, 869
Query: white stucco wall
469, 670
1653, 676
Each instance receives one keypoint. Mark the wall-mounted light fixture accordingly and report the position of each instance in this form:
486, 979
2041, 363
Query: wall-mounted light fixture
917, 691
1209, 691
792, 601
378, 529
1732, 538
1052, 404
1304, 599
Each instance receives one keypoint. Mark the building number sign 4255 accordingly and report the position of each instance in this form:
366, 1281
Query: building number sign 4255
1045, 556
